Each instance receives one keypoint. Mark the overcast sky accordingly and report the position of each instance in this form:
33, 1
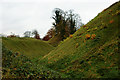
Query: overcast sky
18, 16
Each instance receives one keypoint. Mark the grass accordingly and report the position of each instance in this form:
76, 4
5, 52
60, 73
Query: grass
25, 68
30, 47
94, 56
98, 56
54, 41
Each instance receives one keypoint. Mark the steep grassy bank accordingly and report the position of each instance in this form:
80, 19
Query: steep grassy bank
92, 52
19, 66
20, 59
54, 41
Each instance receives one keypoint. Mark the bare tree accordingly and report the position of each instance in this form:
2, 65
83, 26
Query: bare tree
27, 33
36, 34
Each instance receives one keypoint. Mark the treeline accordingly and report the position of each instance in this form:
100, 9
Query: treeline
65, 23
33, 33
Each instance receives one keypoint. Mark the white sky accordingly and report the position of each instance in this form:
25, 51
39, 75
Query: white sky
18, 16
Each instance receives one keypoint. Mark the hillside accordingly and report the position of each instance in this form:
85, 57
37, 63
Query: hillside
27, 46
92, 52
19, 66
54, 41
20, 59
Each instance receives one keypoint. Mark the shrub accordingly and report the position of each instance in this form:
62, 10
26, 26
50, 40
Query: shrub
71, 36
88, 30
117, 12
49, 62
111, 21
87, 36
66, 39
93, 36
103, 25
80, 33
12, 36
112, 14
84, 26
110, 11
95, 29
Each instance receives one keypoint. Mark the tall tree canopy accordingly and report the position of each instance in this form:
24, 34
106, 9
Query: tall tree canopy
49, 35
57, 16
65, 22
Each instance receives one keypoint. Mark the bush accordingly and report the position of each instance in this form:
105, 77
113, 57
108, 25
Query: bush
117, 12
95, 29
88, 30
112, 14
71, 36
111, 21
110, 11
84, 26
93, 36
87, 36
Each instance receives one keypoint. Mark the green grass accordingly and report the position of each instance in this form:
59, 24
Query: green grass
19, 66
30, 47
97, 58
76, 57
20, 59
54, 41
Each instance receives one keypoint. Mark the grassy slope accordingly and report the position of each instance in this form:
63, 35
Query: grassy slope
54, 41
79, 57
30, 47
20, 66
